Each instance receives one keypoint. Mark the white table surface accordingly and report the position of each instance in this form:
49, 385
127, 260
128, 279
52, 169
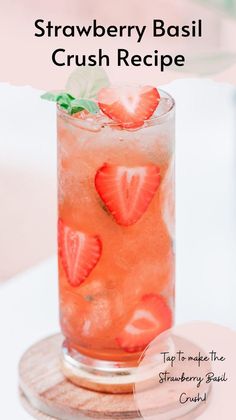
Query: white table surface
28, 312
206, 236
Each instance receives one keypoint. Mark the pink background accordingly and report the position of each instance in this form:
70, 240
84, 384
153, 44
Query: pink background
27, 59
202, 337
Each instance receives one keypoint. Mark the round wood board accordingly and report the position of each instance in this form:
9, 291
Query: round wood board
46, 394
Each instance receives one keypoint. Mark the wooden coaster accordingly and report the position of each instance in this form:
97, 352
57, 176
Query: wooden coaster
31, 410
46, 394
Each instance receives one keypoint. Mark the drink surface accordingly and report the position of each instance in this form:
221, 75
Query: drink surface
124, 295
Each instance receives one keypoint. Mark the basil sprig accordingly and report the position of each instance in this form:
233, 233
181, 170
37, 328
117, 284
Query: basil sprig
81, 90
70, 103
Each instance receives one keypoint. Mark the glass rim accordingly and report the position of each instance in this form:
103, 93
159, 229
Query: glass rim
153, 120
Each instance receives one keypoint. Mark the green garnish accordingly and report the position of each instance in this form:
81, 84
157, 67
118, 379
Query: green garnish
85, 82
71, 104
81, 90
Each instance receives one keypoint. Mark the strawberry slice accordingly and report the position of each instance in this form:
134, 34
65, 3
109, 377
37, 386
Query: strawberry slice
79, 253
126, 191
129, 107
151, 317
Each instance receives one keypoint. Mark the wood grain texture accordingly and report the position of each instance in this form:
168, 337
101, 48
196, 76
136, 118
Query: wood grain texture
46, 394
31, 410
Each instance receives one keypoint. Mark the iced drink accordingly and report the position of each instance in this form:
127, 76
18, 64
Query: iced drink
115, 234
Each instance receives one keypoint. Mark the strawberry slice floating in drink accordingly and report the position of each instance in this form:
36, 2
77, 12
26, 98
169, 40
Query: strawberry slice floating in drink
129, 107
151, 317
79, 253
127, 191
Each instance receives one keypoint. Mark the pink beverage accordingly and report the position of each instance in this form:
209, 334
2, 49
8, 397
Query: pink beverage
115, 238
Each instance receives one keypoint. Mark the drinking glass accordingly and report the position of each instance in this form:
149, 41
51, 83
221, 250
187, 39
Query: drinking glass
115, 242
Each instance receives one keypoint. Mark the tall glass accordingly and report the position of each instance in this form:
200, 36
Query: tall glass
115, 242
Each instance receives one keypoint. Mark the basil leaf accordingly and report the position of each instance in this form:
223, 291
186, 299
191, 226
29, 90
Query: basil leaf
70, 104
85, 82
57, 96
64, 101
86, 104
